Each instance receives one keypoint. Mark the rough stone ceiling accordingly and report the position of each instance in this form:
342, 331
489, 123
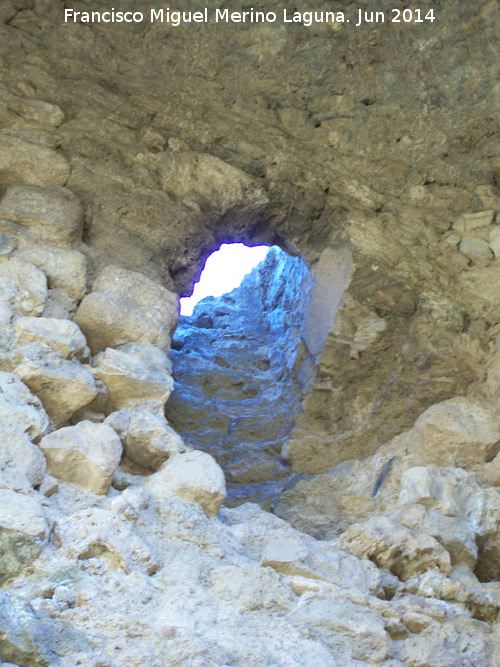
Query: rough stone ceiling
279, 112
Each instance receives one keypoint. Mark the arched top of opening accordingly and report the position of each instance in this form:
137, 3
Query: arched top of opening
223, 271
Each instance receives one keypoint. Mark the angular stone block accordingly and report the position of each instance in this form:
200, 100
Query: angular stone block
20, 411
133, 380
193, 476
147, 438
26, 162
65, 269
63, 386
23, 286
126, 306
60, 336
86, 454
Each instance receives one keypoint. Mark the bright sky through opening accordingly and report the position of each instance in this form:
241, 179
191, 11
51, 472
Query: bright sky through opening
224, 270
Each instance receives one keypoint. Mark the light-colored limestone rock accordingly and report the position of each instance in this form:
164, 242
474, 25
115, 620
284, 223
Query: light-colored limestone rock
490, 472
23, 286
460, 586
131, 502
291, 553
487, 528
453, 239
495, 240
63, 386
415, 622
6, 314
97, 532
456, 432
134, 380
253, 527
469, 221
49, 486
52, 214
23, 532
455, 534
360, 631
61, 336
95, 410
452, 491
7, 246
86, 454
474, 246
19, 456
193, 476
20, 411
126, 306
28, 163
251, 587
65, 269
147, 438
59, 305
393, 547
151, 355
310, 157
26, 640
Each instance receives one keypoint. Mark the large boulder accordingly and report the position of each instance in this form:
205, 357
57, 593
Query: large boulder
19, 457
147, 438
193, 476
86, 454
26, 162
135, 375
126, 306
451, 491
291, 553
63, 386
23, 286
392, 546
456, 432
20, 411
454, 533
23, 532
60, 336
52, 214
65, 269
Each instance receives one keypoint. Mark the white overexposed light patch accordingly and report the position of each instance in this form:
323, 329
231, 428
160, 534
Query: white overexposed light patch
224, 270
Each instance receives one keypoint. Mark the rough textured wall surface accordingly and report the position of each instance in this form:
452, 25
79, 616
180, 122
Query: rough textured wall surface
127, 154
240, 366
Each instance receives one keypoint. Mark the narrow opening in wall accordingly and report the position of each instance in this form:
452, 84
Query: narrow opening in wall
223, 271
238, 363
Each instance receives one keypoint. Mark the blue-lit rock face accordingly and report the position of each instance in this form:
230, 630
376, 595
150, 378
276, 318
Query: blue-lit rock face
240, 366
